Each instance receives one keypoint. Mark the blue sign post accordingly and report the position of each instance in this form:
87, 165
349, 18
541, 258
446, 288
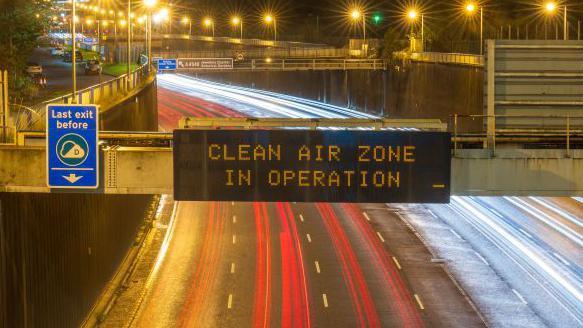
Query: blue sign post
167, 64
72, 150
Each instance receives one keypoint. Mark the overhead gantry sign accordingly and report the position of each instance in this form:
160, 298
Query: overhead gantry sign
363, 166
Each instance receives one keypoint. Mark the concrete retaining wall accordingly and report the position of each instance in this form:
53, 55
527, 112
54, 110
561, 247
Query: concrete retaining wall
414, 90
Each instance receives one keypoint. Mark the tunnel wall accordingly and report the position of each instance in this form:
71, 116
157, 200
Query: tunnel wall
58, 252
410, 90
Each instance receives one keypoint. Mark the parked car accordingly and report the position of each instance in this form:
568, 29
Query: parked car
39, 79
69, 54
93, 66
34, 68
57, 51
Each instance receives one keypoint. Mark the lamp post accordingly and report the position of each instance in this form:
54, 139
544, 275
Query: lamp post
129, 49
238, 21
271, 19
208, 22
412, 15
551, 8
470, 9
187, 20
357, 15
74, 50
149, 4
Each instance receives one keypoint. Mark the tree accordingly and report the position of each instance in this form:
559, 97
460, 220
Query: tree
21, 24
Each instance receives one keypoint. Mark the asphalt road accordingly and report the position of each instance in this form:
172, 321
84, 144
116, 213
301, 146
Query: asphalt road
533, 243
59, 73
286, 264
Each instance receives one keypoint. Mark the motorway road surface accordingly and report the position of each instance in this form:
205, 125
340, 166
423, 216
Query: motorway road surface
284, 264
533, 243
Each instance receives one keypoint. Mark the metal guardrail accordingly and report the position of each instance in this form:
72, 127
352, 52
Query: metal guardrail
443, 58
254, 53
246, 42
303, 65
314, 123
97, 94
555, 129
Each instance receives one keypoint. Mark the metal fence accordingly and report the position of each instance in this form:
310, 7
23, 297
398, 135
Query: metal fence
245, 42
255, 53
443, 58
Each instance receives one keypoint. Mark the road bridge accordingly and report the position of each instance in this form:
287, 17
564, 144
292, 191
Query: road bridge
141, 163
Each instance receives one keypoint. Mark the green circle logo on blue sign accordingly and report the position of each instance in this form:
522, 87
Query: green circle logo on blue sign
72, 149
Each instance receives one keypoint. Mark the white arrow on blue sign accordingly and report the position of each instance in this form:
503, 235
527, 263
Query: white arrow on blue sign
167, 64
72, 149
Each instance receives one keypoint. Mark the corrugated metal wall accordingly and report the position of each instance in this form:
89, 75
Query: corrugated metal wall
58, 251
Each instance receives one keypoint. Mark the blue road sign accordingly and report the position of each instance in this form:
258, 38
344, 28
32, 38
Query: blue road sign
167, 64
72, 150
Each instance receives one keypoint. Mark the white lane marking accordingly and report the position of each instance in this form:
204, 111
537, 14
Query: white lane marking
380, 237
455, 234
562, 259
418, 299
525, 233
366, 216
432, 214
482, 258
230, 301
317, 266
234, 219
325, 299
234, 239
519, 296
232, 268
397, 263
301, 218
309, 238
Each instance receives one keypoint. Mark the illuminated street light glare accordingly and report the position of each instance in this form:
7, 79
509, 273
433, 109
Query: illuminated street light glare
208, 22
150, 3
268, 19
236, 20
412, 14
470, 7
185, 20
355, 14
550, 7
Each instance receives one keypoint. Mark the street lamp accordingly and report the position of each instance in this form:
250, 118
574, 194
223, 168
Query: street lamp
551, 8
471, 9
149, 4
238, 21
412, 15
187, 20
74, 50
356, 15
268, 18
208, 22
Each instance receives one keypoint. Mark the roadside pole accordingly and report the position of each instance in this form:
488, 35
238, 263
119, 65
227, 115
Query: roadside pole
4, 104
73, 52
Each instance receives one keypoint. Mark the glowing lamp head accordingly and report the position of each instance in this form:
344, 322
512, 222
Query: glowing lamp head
412, 14
185, 20
268, 19
150, 3
355, 14
208, 22
236, 20
470, 7
550, 7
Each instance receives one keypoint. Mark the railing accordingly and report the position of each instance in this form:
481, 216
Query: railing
254, 53
98, 94
442, 58
549, 130
246, 42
